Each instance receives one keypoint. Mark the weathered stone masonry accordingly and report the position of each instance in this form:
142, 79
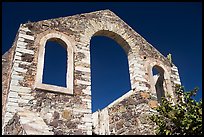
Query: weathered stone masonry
32, 107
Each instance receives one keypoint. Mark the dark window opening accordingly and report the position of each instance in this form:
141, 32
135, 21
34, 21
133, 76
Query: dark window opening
109, 72
55, 64
158, 75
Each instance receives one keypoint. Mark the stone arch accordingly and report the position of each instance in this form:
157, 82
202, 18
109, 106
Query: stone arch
119, 34
117, 38
68, 44
111, 30
166, 77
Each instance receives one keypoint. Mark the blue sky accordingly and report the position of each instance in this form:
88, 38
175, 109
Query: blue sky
170, 27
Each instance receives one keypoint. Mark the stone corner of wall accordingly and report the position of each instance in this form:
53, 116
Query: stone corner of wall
13, 127
26, 122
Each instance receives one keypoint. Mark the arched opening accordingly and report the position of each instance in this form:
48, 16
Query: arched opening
158, 76
109, 71
55, 63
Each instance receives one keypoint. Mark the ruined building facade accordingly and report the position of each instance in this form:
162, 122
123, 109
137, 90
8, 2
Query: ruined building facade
30, 106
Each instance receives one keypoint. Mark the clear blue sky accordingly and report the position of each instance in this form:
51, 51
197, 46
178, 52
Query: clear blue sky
170, 27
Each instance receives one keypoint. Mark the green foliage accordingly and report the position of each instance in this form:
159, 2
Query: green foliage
184, 117
169, 58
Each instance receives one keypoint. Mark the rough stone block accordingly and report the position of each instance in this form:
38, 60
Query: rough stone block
17, 58
12, 94
88, 105
9, 115
141, 88
145, 95
140, 79
20, 88
18, 54
139, 71
87, 61
87, 92
89, 132
13, 100
86, 100
21, 43
14, 82
79, 68
21, 40
83, 82
26, 36
22, 47
27, 97
81, 127
25, 29
12, 109
23, 101
15, 73
82, 110
66, 114
25, 51
20, 69
15, 104
153, 103
23, 62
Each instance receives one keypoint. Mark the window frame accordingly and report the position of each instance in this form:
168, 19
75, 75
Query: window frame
168, 85
41, 41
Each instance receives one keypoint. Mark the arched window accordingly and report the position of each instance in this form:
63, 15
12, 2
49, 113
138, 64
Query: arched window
158, 76
55, 64
68, 44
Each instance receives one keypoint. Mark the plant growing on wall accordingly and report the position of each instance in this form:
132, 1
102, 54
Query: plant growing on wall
182, 118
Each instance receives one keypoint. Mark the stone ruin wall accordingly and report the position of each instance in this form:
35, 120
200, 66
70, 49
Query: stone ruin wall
128, 115
26, 106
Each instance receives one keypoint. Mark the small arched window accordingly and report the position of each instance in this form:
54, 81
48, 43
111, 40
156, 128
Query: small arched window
65, 41
158, 77
55, 64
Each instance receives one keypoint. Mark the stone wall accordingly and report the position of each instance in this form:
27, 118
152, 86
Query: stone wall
68, 111
6, 73
128, 115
